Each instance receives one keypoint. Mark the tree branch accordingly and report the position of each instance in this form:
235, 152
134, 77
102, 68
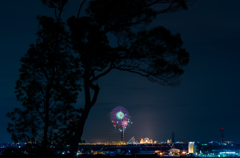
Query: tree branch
132, 71
40, 114
96, 91
168, 9
102, 74
79, 10
56, 13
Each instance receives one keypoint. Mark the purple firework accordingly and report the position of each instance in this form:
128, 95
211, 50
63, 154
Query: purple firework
120, 118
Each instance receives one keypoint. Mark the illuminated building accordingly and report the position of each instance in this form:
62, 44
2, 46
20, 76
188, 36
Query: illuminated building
146, 141
191, 147
132, 140
169, 141
174, 151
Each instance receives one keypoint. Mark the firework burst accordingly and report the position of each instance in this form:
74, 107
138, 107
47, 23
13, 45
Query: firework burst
120, 118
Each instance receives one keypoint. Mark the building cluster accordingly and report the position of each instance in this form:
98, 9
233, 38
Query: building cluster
210, 149
146, 140
197, 149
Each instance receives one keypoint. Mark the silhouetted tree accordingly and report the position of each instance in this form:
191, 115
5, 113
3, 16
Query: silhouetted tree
47, 86
155, 54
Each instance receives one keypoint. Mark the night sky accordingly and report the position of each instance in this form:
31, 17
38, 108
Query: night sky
207, 99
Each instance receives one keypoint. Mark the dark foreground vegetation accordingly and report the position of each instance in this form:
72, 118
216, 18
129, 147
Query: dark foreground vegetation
71, 56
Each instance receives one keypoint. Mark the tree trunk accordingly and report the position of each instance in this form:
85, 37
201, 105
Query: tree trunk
45, 138
46, 121
79, 131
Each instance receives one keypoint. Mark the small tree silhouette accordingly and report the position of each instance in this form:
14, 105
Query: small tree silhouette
47, 87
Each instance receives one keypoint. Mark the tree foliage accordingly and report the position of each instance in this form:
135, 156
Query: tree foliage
47, 87
52, 70
155, 53
25, 126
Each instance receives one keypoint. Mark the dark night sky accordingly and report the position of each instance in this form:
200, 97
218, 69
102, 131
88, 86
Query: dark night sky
207, 99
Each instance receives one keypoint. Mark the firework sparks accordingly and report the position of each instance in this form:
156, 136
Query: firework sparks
120, 118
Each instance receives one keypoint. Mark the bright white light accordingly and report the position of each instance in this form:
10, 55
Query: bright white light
120, 115
227, 152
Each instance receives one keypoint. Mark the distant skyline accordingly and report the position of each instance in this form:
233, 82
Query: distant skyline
206, 100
